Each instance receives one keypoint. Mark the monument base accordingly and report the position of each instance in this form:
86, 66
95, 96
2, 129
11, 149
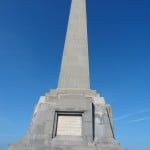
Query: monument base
93, 132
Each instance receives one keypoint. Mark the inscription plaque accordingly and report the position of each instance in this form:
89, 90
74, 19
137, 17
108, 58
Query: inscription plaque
69, 125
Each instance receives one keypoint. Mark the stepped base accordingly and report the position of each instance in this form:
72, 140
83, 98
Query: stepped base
65, 145
97, 129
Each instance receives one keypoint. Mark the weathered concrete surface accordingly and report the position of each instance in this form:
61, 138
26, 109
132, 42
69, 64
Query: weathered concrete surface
97, 128
75, 66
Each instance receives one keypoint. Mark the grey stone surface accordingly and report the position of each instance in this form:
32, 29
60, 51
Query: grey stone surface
75, 66
97, 128
72, 97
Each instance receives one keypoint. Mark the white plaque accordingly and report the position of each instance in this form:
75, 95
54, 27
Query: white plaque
69, 125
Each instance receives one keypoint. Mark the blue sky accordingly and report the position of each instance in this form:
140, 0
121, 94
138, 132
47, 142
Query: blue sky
32, 35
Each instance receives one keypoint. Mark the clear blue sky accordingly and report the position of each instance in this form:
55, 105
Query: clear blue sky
32, 34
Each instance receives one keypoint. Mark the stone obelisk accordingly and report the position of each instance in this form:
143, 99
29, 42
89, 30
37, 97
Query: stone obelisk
75, 66
71, 117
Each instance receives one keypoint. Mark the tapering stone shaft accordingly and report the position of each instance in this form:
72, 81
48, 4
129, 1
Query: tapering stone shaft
74, 71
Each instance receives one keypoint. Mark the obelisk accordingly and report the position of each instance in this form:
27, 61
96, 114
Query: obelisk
75, 65
72, 116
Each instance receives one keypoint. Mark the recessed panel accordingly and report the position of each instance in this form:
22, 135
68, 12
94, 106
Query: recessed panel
69, 125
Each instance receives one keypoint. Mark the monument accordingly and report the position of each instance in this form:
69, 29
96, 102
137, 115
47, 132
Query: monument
71, 117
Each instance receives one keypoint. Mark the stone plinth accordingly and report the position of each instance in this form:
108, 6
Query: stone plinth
97, 128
